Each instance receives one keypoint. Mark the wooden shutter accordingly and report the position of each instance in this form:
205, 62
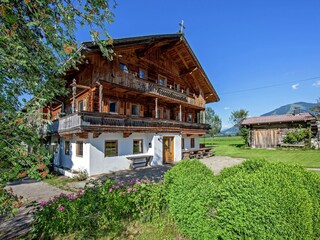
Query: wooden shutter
128, 111
141, 111
121, 110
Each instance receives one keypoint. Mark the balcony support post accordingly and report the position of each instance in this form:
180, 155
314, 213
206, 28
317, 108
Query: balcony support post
156, 108
203, 116
74, 92
100, 96
180, 113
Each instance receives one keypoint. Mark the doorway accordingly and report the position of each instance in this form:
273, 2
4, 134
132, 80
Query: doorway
168, 149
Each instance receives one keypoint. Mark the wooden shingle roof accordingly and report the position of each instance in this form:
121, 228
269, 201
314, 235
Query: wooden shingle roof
301, 117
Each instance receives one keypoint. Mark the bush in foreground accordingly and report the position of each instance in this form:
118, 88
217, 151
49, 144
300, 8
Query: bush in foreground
256, 200
99, 210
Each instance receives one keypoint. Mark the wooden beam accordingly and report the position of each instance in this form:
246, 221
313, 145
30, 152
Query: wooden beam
126, 134
156, 108
83, 135
74, 92
100, 96
96, 134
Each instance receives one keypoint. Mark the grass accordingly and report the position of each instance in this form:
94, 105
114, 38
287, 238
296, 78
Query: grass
59, 181
234, 147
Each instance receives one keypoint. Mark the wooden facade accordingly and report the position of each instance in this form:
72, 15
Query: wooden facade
155, 77
269, 131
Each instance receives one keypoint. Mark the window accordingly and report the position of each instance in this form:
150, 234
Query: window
160, 110
134, 110
162, 80
192, 142
111, 148
167, 114
138, 146
124, 67
189, 117
80, 106
67, 148
142, 73
113, 107
182, 143
79, 148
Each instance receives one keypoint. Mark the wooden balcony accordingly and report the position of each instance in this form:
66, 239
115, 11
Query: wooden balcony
93, 121
130, 81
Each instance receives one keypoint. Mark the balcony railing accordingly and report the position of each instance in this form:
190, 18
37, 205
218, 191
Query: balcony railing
129, 80
89, 119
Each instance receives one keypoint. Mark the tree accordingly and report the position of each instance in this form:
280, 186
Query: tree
214, 121
37, 45
237, 116
316, 109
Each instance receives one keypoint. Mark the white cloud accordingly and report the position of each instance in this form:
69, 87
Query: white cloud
295, 86
316, 84
226, 108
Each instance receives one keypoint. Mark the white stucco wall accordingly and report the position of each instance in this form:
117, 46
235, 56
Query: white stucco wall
187, 142
101, 164
95, 162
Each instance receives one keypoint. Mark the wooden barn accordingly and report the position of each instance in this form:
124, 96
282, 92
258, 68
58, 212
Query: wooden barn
269, 131
145, 105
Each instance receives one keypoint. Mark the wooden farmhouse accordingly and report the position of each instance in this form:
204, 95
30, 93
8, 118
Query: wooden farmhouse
147, 104
269, 131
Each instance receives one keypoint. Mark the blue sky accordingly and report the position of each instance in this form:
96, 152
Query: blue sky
272, 45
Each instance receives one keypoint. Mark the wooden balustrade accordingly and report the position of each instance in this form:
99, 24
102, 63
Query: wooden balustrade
130, 81
85, 119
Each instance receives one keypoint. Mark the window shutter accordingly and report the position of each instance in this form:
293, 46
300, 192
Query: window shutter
141, 110
128, 111
121, 108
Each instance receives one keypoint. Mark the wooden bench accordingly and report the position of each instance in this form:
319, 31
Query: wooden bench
197, 153
291, 145
139, 161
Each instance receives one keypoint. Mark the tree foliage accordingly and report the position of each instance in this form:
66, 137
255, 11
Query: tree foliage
237, 116
37, 44
214, 121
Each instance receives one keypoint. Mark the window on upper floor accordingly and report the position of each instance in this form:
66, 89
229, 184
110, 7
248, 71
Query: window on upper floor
135, 110
142, 73
113, 107
162, 80
80, 106
160, 112
124, 67
189, 117
167, 114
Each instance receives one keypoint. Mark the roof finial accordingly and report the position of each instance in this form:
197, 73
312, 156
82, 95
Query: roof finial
181, 27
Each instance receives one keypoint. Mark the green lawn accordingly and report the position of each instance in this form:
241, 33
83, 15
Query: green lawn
234, 147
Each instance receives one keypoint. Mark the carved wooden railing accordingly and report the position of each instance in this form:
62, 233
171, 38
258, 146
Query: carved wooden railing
129, 80
92, 119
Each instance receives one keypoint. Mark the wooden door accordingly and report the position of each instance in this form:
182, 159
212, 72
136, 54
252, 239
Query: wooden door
265, 138
168, 149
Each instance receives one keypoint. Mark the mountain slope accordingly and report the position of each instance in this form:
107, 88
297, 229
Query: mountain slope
289, 108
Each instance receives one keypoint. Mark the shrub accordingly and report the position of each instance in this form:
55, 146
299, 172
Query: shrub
189, 186
255, 200
299, 135
99, 210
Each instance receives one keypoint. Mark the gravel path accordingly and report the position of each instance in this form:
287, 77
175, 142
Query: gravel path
217, 163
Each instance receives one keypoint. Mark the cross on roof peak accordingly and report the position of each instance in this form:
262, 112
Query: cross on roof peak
181, 24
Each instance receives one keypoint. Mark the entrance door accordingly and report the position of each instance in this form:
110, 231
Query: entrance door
168, 149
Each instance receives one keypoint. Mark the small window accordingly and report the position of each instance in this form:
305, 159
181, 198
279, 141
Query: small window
182, 143
142, 73
79, 149
160, 111
80, 106
192, 142
113, 107
138, 146
124, 68
167, 114
190, 117
134, 110
111, 148
67, 148
162, 80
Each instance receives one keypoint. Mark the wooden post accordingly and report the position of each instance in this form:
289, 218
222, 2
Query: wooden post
50, 114
100, 96
156, 108
180, 113
204, 116
74, 92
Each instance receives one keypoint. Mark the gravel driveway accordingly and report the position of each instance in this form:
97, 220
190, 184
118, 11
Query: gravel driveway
217, 163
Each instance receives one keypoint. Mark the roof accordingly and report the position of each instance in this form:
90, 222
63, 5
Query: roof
301, 117
177, 42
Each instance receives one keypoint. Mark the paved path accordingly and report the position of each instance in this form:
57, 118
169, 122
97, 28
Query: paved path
18, 226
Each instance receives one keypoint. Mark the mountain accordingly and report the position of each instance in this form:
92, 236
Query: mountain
286, 109
289, 108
